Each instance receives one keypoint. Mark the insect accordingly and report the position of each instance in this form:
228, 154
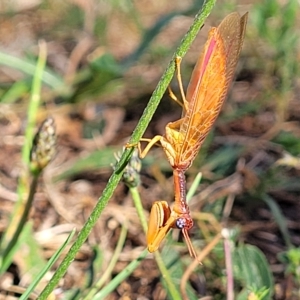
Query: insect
183, 138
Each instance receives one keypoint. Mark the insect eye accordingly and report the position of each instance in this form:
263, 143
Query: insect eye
180, 223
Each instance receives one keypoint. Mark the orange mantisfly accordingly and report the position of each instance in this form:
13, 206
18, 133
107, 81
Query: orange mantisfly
206, 92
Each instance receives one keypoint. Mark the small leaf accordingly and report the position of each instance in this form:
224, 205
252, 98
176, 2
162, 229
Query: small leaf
252, 270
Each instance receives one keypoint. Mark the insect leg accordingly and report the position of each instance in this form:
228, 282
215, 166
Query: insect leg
174, 98
178, 70
151, 143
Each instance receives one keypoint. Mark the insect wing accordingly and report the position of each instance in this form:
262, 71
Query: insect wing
232, 30
210, 82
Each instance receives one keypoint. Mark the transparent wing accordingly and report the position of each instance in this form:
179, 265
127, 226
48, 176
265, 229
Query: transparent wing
210, 82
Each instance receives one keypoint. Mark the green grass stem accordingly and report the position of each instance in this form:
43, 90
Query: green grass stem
161, 265
9, 238
111, 265
120, 277
28, 67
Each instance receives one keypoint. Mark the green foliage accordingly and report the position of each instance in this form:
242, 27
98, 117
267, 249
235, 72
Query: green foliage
275, 23
28, 66
96, 160
289, 141
97, 78
277, 31
258, 294
279, 218
252, 270
28, 182
176, 268
291, 258
16, 91
223, 160
43, 268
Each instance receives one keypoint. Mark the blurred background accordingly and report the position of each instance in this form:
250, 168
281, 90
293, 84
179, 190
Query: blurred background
105, 58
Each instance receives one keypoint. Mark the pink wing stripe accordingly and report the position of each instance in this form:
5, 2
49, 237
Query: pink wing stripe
208, 54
